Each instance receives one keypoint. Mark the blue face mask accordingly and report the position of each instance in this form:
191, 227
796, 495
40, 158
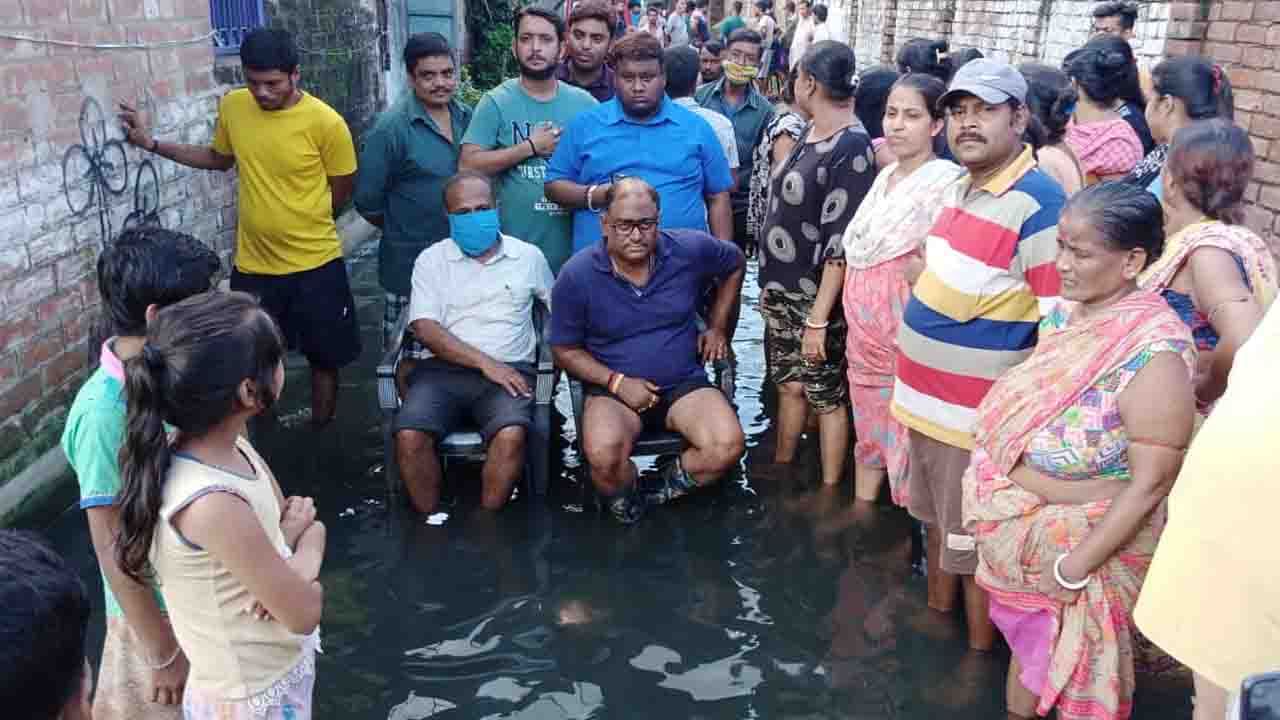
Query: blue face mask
474, 232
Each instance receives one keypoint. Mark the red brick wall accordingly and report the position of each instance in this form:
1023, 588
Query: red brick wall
47, 293
1015, 30
1244, 37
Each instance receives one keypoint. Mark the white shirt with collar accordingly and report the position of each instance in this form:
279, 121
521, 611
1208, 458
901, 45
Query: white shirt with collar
486, 305
722, 126
801, 40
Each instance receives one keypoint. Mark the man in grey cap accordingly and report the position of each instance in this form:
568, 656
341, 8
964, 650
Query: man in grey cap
973, 313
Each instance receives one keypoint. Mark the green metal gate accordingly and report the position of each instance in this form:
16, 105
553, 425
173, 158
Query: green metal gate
433, 16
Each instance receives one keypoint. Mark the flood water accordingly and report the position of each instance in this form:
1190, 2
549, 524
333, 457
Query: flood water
766, 597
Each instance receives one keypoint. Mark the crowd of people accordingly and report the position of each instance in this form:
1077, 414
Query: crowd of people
1022, 297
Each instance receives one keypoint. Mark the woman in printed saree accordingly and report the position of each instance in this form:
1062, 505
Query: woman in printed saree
1075, 451
1215, 273
883, 247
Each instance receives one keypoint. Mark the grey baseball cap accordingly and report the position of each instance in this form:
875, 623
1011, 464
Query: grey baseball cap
991, 80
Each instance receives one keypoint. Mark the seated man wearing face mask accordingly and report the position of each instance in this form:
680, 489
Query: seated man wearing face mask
471, 307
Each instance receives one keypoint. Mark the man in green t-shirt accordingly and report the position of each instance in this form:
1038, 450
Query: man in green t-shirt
517, 126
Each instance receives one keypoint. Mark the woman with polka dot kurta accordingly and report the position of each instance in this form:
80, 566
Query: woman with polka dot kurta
814, 195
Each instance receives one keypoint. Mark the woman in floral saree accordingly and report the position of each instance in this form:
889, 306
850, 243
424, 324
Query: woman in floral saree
1076, 449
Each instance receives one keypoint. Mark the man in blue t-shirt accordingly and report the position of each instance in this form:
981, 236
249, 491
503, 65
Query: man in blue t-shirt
626, 325
642, 133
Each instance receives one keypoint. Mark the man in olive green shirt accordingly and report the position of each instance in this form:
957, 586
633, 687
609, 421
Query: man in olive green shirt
407, 158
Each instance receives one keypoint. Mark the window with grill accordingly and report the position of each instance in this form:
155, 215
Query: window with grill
232, 20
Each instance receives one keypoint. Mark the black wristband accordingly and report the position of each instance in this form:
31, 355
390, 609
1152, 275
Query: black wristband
532, 148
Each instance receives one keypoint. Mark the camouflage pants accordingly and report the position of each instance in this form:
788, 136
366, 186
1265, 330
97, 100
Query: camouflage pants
824, 382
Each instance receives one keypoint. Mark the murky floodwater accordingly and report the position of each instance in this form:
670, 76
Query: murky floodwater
767, 597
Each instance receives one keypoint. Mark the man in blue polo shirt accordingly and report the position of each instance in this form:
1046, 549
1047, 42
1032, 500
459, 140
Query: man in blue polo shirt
626, 325
642, 133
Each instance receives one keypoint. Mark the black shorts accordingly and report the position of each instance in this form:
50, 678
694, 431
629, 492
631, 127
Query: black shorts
655, 418
740, 235
314, 309
445, 398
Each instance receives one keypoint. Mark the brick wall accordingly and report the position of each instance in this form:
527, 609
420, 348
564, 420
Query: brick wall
48, 298
340, 53
1242, 35
1016, 30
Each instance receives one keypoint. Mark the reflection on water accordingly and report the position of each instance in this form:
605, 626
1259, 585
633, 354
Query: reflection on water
766, 597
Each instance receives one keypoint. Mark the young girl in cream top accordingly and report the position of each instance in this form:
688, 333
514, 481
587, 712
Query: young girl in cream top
200, 509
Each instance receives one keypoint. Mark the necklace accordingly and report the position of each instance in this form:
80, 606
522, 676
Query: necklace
639, 291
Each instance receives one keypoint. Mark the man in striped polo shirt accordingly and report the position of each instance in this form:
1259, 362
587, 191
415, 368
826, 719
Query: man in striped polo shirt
973, 312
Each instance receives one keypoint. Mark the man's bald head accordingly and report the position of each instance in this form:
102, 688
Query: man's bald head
629, 186
466, 191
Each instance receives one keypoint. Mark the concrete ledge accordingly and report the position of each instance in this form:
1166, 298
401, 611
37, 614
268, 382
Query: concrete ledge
31, 486
26, 491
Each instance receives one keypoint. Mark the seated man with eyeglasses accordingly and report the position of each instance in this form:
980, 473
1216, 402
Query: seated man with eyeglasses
626, 325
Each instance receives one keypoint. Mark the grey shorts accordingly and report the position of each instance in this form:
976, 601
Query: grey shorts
935, 470
445, 398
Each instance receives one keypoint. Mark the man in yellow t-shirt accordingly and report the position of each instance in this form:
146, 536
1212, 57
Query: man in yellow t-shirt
297, 166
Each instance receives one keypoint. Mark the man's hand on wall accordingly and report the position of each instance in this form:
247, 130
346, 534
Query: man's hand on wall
135, 125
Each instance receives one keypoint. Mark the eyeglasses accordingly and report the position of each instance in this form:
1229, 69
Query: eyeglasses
981, 113
625, 228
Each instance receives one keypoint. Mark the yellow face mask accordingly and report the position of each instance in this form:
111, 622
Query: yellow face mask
739, 74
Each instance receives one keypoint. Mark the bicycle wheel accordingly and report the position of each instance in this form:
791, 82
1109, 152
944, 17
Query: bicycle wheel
146, 196
79, 180
93, 124
113, 167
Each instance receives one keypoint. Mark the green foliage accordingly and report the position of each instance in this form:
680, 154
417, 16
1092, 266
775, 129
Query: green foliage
489, 24
468, 93
492, 61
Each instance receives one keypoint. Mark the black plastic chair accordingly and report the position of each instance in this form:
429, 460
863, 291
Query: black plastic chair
650, 443
466, 444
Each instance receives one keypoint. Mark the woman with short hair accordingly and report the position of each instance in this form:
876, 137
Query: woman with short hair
1218, 275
